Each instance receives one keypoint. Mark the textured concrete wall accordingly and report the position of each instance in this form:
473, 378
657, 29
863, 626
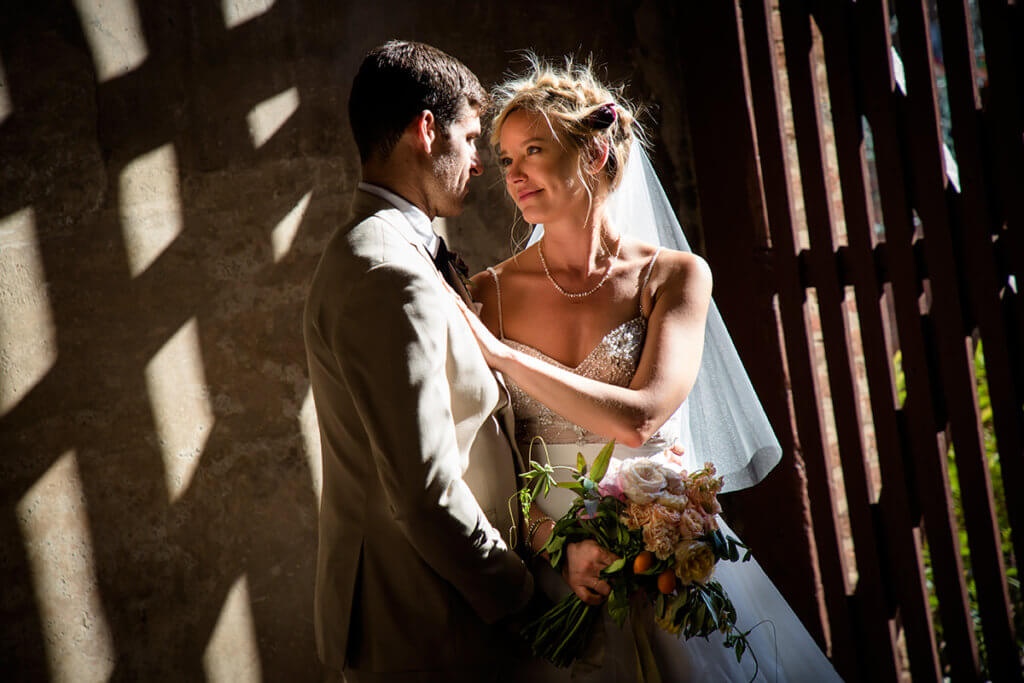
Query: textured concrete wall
169, 173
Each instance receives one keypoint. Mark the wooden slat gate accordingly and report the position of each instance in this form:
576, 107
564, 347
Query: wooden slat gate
891, 235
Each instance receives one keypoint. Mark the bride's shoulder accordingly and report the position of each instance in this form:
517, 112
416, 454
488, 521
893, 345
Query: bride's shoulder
668, 264
510, 267
681, 271
485, 284
684, 264
502, 280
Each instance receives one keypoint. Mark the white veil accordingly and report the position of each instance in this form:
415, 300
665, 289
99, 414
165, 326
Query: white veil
722, 420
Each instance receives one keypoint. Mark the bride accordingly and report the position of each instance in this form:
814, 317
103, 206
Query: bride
604, 333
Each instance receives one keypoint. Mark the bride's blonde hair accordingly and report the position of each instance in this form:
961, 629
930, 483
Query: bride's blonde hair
577, 107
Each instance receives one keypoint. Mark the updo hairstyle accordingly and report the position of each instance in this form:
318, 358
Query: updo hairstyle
577, 107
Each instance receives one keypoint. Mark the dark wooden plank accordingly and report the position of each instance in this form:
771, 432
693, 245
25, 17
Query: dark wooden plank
725, 160
921, 124
881, 104
877, 632
731, 203
798, 340
900, 523
1002, 25
976, 225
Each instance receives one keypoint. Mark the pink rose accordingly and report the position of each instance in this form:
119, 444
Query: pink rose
610, 484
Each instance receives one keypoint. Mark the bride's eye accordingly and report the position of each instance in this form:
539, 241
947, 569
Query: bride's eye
533, 149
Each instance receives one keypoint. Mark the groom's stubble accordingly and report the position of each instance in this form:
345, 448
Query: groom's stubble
455, 162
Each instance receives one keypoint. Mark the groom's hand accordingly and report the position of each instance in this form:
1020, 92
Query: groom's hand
582, 571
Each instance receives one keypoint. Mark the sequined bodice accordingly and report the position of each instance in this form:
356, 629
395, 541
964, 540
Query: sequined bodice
613, 361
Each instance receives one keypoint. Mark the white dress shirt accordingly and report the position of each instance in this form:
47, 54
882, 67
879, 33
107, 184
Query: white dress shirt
416, 217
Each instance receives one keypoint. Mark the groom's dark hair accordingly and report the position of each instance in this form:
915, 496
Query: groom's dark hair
398, 80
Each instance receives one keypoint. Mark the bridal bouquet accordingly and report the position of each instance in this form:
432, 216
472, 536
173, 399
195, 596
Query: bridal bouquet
660, 521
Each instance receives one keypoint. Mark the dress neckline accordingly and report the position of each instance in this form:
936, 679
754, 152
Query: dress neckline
574, 368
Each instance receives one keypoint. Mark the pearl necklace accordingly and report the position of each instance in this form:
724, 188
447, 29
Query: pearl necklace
576, 295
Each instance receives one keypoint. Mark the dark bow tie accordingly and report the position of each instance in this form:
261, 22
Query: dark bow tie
444, 257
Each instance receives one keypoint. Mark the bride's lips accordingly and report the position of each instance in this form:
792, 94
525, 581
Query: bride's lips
526, 194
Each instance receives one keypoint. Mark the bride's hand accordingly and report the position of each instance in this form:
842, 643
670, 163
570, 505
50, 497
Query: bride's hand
582, 571
492, 347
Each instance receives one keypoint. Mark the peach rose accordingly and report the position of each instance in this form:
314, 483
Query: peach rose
661, 513
636, 516
691, 524
703, 488
660, 537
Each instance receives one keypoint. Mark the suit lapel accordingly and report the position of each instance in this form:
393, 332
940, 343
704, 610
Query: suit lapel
452, 276
364, 205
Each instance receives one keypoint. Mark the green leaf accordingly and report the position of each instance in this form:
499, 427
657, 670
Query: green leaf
618, 604
573, 486
679, 602
601, 463
555, 543
701, 616
615, 566
538, 488
685, 623
718, 545
734, 551
581, 464
712, 611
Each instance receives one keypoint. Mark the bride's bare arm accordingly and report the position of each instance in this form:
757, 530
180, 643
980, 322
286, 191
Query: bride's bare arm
663, 378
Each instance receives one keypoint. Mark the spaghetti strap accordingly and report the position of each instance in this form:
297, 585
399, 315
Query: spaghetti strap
647, 278
497, 289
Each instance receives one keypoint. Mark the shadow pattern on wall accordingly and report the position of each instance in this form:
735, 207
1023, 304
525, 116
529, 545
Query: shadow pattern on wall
166, 551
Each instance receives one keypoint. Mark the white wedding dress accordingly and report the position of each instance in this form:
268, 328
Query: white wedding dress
784, 649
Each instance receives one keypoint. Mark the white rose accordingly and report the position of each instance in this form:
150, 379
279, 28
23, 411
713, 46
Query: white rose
641, 480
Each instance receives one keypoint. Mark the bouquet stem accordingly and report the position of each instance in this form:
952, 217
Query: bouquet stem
561, 634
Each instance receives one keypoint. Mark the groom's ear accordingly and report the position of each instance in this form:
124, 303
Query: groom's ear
424, 129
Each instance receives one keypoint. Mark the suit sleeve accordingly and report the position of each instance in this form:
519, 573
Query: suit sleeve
390, 341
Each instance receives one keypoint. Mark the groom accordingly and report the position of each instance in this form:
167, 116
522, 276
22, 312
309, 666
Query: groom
414, 564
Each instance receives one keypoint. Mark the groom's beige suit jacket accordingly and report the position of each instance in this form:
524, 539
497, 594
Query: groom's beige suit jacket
414, 564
